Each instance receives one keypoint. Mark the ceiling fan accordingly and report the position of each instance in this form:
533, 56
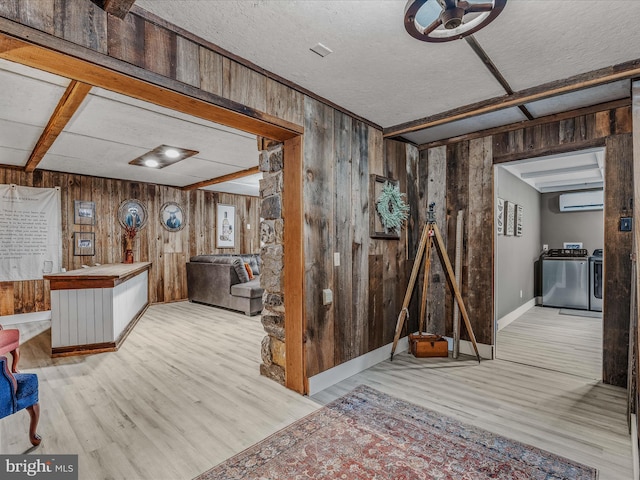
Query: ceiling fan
446, 20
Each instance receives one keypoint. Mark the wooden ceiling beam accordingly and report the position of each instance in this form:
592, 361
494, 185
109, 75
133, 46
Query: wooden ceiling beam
118, 8
602, 76
223, 178
69, 103
555, 117
62, 58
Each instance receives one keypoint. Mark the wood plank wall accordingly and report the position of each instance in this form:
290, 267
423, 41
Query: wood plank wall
368, 287
168, 251
469, 186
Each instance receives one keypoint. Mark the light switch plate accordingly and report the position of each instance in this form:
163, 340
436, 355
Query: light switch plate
336, 259
625, 224
327, 296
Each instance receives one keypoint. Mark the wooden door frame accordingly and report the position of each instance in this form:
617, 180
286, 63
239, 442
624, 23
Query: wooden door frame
62, 58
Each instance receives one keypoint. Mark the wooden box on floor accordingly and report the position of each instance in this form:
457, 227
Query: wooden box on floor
427, 345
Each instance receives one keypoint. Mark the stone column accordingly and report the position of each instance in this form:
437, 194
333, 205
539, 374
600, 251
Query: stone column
272, 255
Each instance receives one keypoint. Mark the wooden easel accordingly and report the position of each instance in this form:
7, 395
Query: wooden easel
429, 233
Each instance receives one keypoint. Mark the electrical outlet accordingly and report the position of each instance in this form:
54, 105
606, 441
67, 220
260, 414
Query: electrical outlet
248, 226
545, 248
336, 259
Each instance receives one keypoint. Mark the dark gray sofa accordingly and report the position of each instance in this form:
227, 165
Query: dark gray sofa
216, 280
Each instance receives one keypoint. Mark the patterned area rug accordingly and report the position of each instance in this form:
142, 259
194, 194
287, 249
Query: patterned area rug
370, 435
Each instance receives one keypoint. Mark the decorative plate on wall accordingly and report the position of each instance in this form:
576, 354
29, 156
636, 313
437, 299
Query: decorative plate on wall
172, 217
132, 213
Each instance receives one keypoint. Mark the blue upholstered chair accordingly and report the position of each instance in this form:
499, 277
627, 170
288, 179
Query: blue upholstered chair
18, 391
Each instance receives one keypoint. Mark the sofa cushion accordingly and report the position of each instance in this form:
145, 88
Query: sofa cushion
218, 259
253, 260
250, 289
238, 266
247, 267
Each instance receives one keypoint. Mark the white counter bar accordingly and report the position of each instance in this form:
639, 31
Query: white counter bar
93, 309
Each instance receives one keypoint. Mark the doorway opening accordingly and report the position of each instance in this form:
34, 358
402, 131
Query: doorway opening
549, 236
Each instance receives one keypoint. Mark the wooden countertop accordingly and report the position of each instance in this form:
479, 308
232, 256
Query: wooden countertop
102, 276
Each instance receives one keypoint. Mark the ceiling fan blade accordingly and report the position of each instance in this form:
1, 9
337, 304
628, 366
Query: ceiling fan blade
430, 28
476, 7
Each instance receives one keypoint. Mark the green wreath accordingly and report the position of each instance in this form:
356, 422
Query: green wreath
392, 208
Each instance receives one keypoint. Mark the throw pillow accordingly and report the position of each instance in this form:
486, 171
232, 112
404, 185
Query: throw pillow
248, 269
238, 266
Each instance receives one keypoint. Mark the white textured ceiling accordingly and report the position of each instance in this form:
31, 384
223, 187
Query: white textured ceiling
381, 73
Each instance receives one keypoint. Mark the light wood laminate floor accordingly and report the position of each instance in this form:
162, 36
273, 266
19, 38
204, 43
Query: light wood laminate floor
183, 393
546, 338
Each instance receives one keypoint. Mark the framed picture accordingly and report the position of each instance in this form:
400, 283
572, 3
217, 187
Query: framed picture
225, 226
84, 244
376, 229
172, 217
519, 215
132, 213
500, 216
510, 220
84, 213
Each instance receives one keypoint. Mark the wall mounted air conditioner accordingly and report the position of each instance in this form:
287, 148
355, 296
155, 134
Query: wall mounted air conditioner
581, 201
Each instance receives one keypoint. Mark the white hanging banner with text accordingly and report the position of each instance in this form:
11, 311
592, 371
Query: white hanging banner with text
30, 233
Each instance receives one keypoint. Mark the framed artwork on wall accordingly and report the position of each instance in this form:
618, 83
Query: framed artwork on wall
510, 219
519, 215
376, 228
500, 216
132, 213
225, 226
84, 244
84, 213
172, 217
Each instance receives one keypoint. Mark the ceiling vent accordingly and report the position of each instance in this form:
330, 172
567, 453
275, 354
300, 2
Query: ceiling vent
582, 201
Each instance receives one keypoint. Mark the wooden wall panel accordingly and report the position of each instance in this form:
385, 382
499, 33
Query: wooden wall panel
284, 102
617, 254
160, 50
80, 22
360, 241
479, 251
346, 338
435, 170
318, 234
126, 39
210, 71
243, 85
168, 251
187, 62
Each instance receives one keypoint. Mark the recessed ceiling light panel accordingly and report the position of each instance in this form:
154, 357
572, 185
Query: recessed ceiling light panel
162, 156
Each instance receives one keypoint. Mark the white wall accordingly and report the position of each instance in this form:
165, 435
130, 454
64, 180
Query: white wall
515, 256
559, 227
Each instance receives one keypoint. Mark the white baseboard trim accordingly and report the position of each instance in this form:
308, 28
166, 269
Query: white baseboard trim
356, 365
25, 318
510, 317
466, 348
634, 446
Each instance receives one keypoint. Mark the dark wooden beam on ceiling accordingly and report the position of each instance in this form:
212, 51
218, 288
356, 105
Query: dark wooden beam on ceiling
602, 76
117, 8
223, 178
553, 150
73, 97
556, 117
